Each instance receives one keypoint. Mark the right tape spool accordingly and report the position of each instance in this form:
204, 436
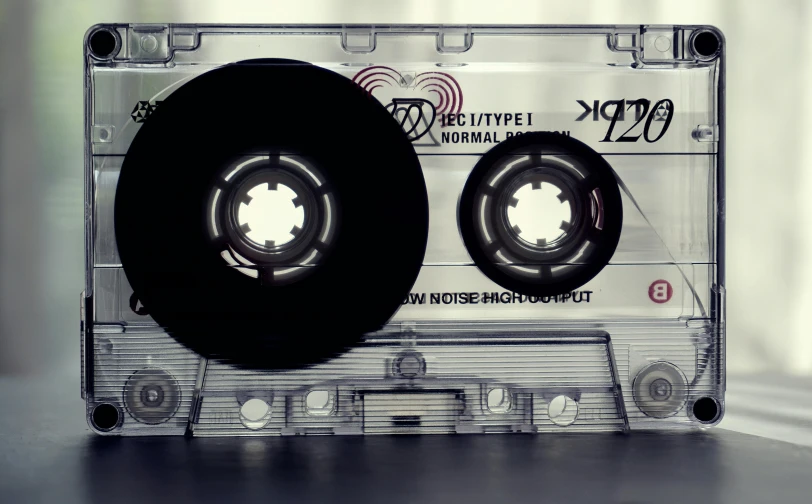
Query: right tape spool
541, 214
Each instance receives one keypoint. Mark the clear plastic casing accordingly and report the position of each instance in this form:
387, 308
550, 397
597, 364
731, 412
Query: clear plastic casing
640, 346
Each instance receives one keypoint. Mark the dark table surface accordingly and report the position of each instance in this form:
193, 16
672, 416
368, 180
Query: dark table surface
47, 454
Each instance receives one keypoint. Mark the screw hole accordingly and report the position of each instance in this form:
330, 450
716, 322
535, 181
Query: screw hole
105, 417
706, 409
103, 43
706, 44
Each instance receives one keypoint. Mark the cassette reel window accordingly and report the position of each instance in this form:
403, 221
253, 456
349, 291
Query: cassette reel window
561, 247
411, 229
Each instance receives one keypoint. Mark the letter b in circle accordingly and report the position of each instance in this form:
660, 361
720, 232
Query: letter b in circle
660, 291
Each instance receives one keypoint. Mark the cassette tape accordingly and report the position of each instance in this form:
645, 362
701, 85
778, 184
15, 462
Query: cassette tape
403, 229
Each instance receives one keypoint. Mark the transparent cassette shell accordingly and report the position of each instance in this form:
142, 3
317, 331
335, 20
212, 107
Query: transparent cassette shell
639, 346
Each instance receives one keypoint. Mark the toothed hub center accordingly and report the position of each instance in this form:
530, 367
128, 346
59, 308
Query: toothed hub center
272, 217
539, 216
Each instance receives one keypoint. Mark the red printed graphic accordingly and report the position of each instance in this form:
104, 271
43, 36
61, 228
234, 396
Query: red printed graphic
442, 89
660, 291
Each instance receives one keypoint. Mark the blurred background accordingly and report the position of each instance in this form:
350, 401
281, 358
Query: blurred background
769, 221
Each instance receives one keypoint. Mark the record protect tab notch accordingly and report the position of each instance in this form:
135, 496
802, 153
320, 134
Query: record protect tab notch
184, 38
454, 40
624, 42
358, 39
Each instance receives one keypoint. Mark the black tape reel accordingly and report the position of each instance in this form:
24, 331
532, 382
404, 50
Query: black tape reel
334, 170
547, 249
